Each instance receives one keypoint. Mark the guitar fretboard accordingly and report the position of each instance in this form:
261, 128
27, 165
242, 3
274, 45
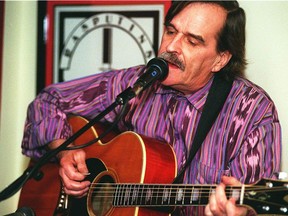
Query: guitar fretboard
166, 195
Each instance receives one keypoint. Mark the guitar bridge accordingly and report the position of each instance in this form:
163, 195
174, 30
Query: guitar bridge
62, 204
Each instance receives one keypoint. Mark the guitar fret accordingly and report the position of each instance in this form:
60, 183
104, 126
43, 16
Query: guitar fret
131, 189
173, 196
170, 192
184, 196
187, 195
135, 194
159, 194
236, 193
152, 195
204, 195
192, 195
120, 195
140, 198
165, 195
131, 193
188, 192
122, 198
179, 195
126, 195
147, 195
195, 196
155, 195
115, 196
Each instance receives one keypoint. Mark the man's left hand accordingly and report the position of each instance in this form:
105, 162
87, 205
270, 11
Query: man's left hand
219, 204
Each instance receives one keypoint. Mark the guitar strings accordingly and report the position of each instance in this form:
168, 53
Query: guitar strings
174, 192
186, 187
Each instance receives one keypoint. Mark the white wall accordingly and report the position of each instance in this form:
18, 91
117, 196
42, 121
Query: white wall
267, 52
18, 88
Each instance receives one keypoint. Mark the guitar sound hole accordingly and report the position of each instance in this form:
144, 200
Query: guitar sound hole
102, 196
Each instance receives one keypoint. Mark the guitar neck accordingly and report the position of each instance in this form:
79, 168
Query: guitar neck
153, 195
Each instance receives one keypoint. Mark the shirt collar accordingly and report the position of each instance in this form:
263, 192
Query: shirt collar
196, 99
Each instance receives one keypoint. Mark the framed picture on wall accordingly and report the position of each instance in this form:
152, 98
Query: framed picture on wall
80, 38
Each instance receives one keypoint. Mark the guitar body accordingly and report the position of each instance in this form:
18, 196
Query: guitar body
42, 195
124, 158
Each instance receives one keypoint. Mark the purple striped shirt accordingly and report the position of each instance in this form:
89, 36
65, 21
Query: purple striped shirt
245, 140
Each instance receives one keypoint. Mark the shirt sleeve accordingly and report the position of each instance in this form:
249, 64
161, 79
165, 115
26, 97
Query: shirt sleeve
47, 115
260, 154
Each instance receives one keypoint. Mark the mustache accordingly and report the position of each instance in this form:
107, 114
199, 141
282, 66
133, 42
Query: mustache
173, 59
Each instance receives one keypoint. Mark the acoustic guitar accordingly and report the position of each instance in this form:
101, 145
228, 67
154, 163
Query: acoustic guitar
131, 175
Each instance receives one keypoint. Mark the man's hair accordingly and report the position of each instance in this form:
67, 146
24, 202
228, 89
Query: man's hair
230, 38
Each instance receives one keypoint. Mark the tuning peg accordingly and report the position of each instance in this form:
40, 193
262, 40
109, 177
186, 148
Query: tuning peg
281, 175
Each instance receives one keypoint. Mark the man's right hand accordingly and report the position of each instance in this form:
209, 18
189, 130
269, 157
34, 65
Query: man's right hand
73, 170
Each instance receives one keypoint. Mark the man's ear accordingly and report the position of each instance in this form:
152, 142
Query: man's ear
222, 59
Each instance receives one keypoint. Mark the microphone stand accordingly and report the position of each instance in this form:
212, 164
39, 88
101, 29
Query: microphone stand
121, 99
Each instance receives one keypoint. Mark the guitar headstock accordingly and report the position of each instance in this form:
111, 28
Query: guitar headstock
267, 197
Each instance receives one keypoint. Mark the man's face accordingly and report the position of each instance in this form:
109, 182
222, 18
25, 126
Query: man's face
189, 45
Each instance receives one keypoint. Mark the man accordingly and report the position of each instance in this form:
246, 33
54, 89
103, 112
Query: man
200, 39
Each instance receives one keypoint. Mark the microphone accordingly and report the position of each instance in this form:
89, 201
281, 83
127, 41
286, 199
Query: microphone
23, 211
157, 69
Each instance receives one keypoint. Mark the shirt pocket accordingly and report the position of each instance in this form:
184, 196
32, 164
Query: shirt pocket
201, 173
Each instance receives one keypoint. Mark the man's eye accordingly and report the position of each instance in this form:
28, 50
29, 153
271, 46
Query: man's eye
192, 42
170, 31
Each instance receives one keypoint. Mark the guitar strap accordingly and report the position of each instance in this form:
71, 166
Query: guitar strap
215, 100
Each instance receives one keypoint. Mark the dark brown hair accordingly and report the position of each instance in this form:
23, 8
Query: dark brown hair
230, 38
